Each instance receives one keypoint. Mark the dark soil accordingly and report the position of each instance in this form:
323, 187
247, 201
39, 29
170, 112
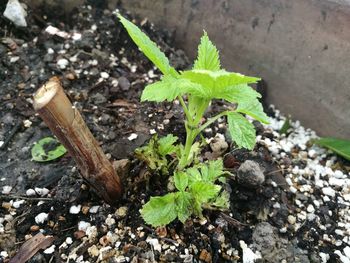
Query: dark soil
112, 111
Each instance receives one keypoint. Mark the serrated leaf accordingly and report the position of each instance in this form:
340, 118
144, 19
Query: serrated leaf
217, 79
166, 145
168, 88
208, 55
193, 175
215, 170
339, 146
254, 109
47, 149
160, 210
183, 205
237, 94
181, 180
204, 191
241, 130
222, 201
148, 47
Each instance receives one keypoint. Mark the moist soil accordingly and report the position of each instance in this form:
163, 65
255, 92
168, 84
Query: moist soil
104, 73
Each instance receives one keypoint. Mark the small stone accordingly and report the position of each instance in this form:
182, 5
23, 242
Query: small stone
104, 75
15, 12
69, 240
205, 256
17, 204
70, 76
94, 209
41, 191
310, 208
83, 226
328, 191
218, 145
74, 209
27, 123
41, 218
121, 211
132, 137
85, 209
62, 63
93, 251
291, 219
124, 83
6, 189
161, 231
49, 250
30, 192
250, 174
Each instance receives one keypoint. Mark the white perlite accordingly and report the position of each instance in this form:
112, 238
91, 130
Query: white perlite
74, 209
15, 12
41, 218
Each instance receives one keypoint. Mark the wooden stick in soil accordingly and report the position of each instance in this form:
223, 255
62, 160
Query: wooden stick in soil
65, 121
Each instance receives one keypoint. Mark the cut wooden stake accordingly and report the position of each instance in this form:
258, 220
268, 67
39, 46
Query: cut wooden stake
65, 121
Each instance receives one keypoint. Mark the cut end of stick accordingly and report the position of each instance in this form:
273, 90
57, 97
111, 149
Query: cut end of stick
45, 93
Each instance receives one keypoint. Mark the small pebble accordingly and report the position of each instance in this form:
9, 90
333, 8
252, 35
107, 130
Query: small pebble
41, 218
75, 209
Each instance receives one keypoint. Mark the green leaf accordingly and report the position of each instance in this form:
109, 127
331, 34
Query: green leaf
47, 149
183, 205
194, 175
215, 170
216, 79
150, 155
160, 210
237, 94
202, 192
286, 126
148, 47
181, 180
208, 55
166, 145
339, 146
222, 201
254, 109
168, 89
241, 130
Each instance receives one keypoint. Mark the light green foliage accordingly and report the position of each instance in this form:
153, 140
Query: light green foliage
241, 130
195, 89
154, 154
47, 149
148, 47
339, 146
197, 188
208, 55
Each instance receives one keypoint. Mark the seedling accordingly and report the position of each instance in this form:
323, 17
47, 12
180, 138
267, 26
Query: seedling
195, 89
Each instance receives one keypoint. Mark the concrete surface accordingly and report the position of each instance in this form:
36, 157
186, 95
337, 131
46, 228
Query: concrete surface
301, 48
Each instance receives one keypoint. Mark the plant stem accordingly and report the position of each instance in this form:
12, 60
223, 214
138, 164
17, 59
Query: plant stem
191, 134
184, 107
211, 120
67, 124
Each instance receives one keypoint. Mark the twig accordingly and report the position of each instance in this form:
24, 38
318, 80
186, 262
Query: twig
25, 197
11, 134
66, 122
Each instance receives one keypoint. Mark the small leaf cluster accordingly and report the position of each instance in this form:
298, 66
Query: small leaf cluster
155, 153
196, 188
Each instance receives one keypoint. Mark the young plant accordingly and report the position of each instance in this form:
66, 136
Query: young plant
195, 89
